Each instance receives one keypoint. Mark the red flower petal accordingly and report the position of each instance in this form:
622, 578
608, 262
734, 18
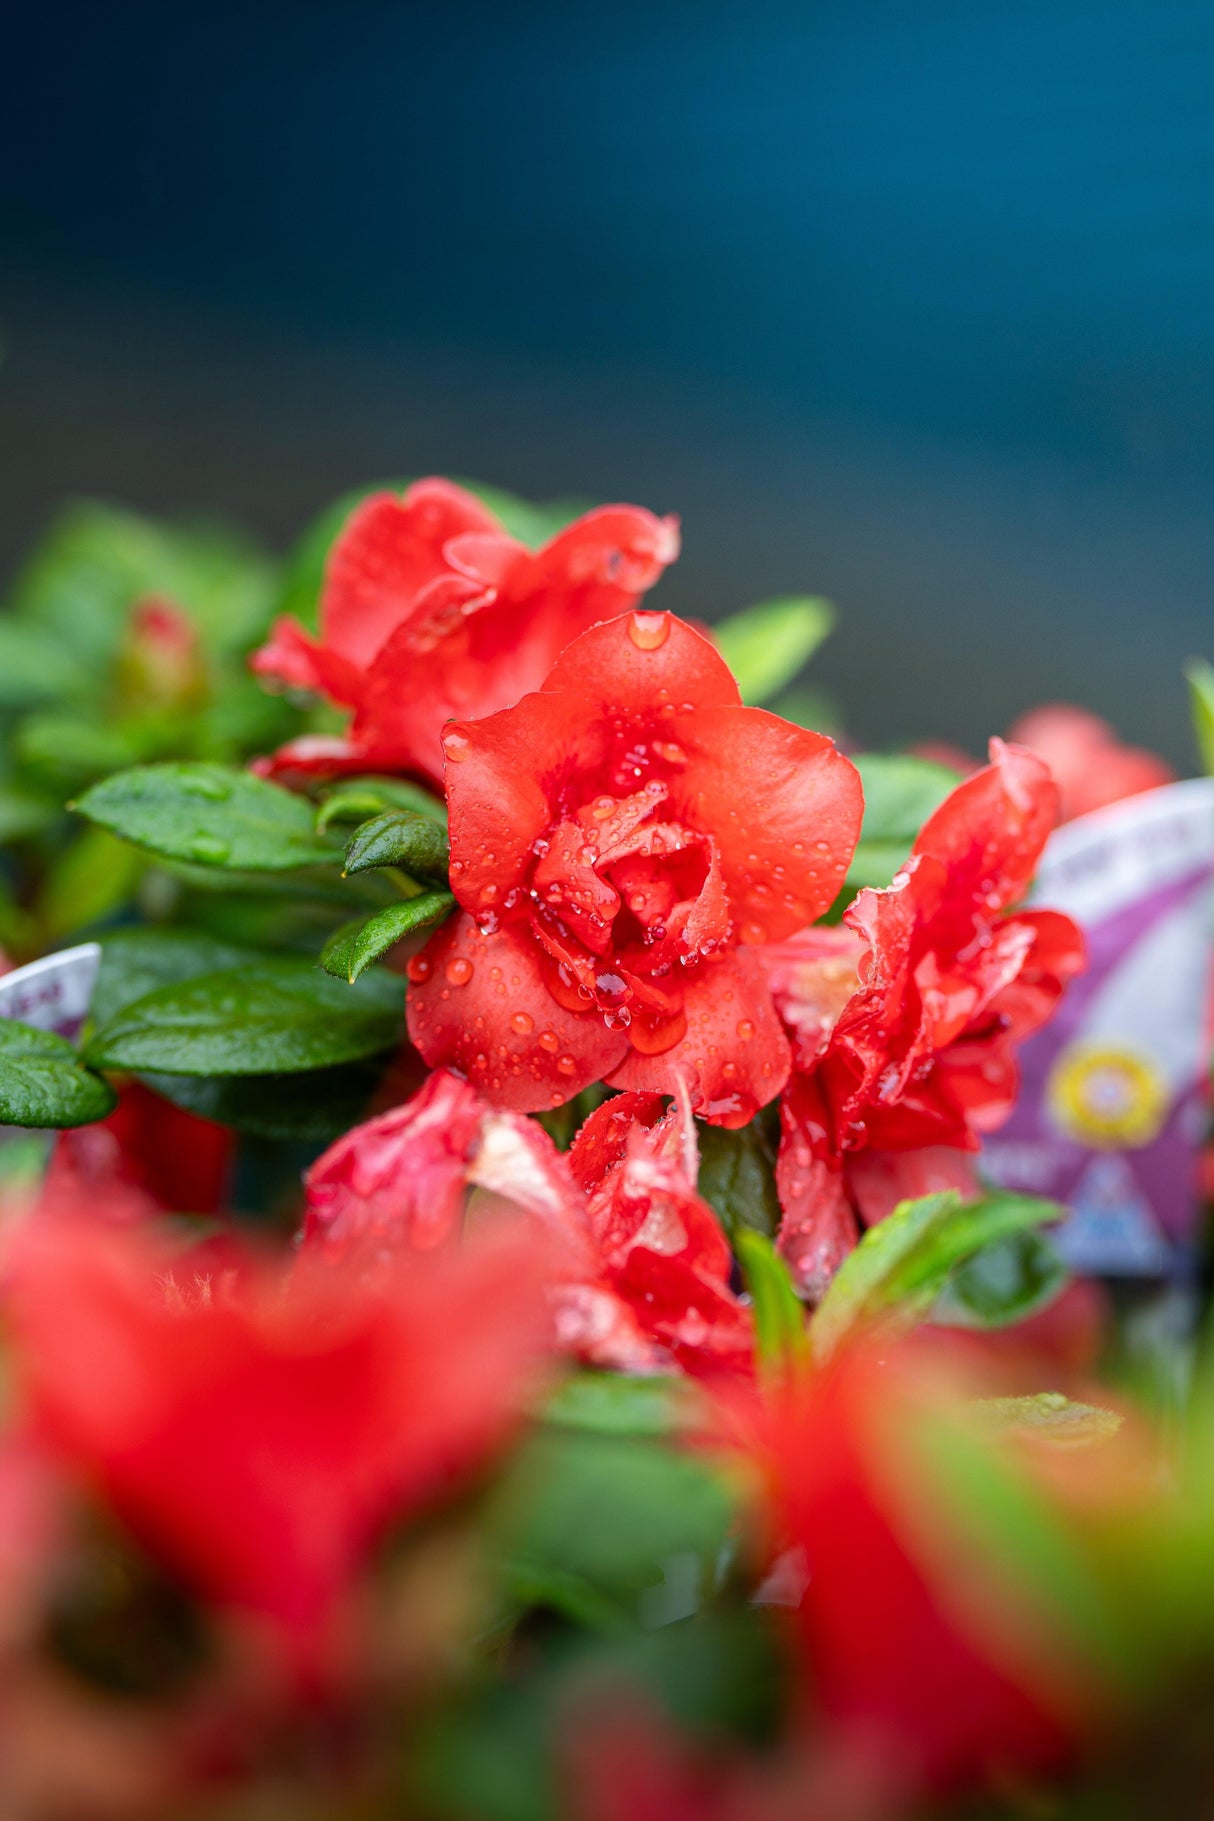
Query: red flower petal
479, 1003
637, 663
734, 1053
989, 831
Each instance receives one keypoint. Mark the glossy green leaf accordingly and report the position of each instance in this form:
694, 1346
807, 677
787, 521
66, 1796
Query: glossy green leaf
902, 1264
1003, 1283
270, 1017
781, 1342
212, 816
737, 1177
358, 799
618, 1403
356, 945
400, 838
1200, 677
42, 1082
766, 645
134, 962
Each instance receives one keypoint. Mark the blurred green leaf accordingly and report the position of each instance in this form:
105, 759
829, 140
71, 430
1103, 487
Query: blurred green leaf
87, 882
766, 645
269, 1017
1003, 1283
902, 1264
617, 1403
1200, 677
210, 816
23, 814
900, 793
42, 1083
36, 666
311, 1108
401, 838
1049, 1417
356, 945
781, 1342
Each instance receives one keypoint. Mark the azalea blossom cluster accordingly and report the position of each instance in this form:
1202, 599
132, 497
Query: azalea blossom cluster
503, 1466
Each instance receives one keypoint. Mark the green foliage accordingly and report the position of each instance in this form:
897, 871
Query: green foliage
900, 793
310, 1108
617, 1403
134, 962
1200, 677
400, 837
767, 645
356, 945
268, 1017
1005, 1282
209, 815
358, 799
901, 1265
42, 1082
737, 1176
781, 1341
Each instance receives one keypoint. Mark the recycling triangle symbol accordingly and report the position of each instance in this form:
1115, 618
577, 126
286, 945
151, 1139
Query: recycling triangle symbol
1112, 1228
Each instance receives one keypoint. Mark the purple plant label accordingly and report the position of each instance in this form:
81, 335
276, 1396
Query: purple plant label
53, 994
1113, 1106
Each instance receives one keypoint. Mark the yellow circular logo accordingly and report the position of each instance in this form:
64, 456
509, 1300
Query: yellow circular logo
1107, 1096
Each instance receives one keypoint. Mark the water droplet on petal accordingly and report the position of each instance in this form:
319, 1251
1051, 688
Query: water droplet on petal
419, 968
456, 745
523, 1023
458, 970
648, 631
548, 1040
746, 1029
566, 1065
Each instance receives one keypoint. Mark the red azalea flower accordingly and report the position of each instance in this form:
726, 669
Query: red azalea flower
257, 1431
914, 1650
944, 982
1091, 766
620, 842
639, 1266
431, 611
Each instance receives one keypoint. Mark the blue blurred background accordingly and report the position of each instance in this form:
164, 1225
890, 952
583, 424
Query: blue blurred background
910, 304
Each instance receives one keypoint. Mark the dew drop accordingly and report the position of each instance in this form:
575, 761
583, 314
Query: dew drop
746, 1029
648, 631
209, 849
419, 968
458, 970
548, 1040
523, 1023
753, 933
204, 784
456, 745
566, 1065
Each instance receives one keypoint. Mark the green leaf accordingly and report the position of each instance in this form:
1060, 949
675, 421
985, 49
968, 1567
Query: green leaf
42, 1083
1200, 677
36, 667
23, 814
63, 752
766, 645
737, 1177
902, 1264
209, 816
400, 838
616, 1403
900, 793
781, 1342
88, 881
270, 1017
1049, 1417
1004, 1283
356, 945
358, 799
312, 1108
134, 962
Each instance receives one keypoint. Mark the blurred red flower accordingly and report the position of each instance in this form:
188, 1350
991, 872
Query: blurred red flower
905, 1023
1090, 764
147, 1157
256, 1431
620, 843
639, 1267
430, 610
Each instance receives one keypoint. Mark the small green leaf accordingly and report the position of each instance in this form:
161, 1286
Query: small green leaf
42, 1083
1200, 677
209, 816
1049, 1417
737, 1177
900, 793
356, 945
1004, 1283
766, 645
270, 1017
400, 838
617, 1403
902, 1264
781, 1342
358, 799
